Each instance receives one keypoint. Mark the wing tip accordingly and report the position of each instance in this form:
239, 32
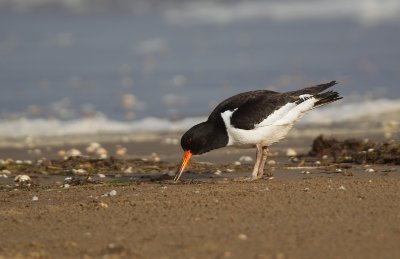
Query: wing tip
332, 83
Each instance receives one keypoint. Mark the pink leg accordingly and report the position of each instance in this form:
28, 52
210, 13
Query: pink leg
258, 161
264, 155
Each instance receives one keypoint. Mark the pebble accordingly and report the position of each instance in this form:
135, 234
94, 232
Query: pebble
306, 189
62, 153
66, 185
103, 156
237, 163
92, 147
101, 151
271, 162
39, 162
325, 157
242, 237
22, 178
3, 176
317, 162
128, 170
8, 161
120, 150
290, 152
27, 162
369, 170
103, 205
79, 171
229, 170
35, 198
293, 160
155, 157
218, 172
342, 188
305, 172
101, 175
371, 150
5, 171
246, 159
73, 152
110, 194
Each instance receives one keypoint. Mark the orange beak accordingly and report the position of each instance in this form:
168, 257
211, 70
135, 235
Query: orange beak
185, 160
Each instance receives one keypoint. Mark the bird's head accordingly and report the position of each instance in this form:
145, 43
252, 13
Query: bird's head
200, 139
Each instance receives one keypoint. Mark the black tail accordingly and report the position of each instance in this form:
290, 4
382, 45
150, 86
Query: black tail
314, 90
327, 97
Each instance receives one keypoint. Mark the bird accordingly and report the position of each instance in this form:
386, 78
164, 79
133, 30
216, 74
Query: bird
253, 119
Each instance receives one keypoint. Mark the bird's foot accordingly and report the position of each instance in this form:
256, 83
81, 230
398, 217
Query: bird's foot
252, 178
257, 177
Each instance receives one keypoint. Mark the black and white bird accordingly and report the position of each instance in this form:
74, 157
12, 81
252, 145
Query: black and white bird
253, 119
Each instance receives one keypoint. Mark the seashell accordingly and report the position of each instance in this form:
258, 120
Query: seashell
245, 159
271, 162
21, 178
242, 237
290, 152
73, 152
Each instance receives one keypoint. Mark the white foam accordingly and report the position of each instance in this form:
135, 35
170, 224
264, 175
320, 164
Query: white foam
366, 12
223, 12
343, 111
337, 112
43, 127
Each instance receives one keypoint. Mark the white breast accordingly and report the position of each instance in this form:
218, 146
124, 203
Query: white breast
271, 129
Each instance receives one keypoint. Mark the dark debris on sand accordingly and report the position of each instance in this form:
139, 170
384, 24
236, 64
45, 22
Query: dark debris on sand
356, 150
106, 166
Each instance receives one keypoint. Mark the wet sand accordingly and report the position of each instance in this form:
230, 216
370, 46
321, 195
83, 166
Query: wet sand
331, 216
306, 210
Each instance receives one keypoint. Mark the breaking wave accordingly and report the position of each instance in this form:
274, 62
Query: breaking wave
334, 113
366, 12
223, 12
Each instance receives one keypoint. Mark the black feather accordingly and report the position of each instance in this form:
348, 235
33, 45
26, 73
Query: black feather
253, 107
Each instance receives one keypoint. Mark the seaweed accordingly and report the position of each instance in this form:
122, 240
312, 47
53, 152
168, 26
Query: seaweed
356, 150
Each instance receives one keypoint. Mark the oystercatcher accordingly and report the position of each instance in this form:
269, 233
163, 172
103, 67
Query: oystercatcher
253, 119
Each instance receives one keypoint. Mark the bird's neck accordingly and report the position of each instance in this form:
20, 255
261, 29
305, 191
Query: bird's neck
214, 135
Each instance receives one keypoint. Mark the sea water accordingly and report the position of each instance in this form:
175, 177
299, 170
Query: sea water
71, 70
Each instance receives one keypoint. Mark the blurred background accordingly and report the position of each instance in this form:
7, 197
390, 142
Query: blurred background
81, 66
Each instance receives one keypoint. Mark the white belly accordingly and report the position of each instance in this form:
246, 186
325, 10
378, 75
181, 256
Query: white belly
271, 129
263, 135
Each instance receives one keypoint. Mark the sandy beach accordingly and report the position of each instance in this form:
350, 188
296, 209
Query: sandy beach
130, 207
